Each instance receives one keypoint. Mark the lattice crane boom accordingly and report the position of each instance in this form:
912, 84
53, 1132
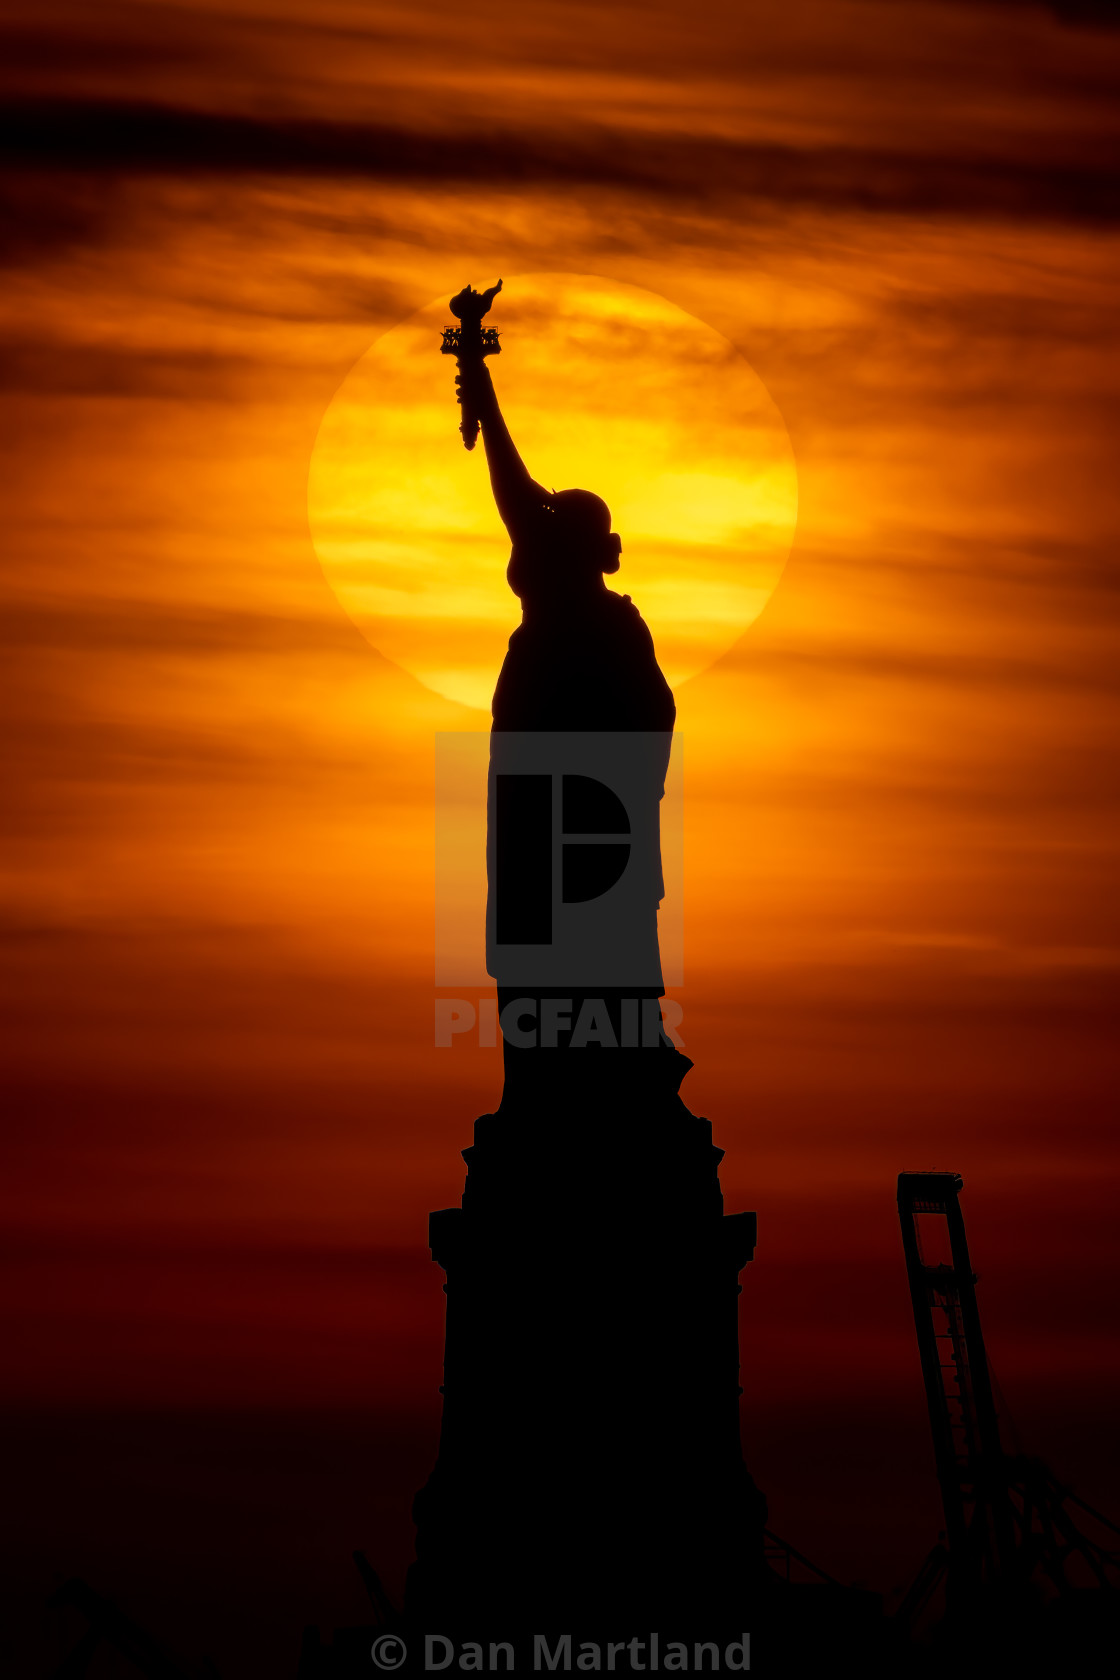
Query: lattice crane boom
1009, 1525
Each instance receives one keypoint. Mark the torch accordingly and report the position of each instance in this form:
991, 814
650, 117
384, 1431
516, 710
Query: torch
470, 342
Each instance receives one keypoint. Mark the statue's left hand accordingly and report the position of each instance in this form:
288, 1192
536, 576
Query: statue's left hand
472, 383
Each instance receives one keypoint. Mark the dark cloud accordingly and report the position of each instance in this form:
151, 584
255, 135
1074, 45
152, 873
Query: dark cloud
1100, 14
135, 139
952, 670
120, 626
1079, 572
35, 226
1074, 14
1078, 14
61, 52
69, 369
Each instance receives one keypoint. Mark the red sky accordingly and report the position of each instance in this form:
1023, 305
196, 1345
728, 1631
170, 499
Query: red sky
226, 1120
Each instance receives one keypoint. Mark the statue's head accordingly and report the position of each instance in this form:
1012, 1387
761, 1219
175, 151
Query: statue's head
576, 547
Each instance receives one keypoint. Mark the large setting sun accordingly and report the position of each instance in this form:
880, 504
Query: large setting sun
605, 386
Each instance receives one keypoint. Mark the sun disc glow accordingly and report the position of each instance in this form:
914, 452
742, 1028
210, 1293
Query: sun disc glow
605, 386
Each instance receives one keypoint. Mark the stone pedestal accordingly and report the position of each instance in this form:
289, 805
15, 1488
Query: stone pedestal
590, 1477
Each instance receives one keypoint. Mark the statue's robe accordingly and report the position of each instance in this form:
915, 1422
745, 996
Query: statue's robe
585, 664
593, 668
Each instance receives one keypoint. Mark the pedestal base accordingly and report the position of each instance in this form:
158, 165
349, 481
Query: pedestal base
590, 1478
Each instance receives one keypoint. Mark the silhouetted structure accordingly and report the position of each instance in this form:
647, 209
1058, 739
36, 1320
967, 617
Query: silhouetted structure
1017, 1566
590, 1471
581, 663
110, 1628
590, 1478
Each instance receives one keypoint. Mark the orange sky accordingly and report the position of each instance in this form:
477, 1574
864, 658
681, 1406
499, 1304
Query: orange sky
901, 925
